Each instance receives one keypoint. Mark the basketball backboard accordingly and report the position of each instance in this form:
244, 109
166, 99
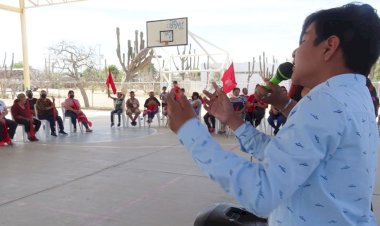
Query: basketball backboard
169, 32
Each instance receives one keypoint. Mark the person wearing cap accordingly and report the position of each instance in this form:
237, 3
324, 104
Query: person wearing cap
133, 105
46, 110
31, 101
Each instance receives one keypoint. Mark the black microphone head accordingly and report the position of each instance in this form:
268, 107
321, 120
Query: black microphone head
285, 70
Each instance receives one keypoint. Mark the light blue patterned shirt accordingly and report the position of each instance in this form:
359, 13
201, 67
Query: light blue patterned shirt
318, 170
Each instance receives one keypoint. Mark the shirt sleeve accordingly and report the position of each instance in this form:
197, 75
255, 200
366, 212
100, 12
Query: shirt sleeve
251, 140
288, 158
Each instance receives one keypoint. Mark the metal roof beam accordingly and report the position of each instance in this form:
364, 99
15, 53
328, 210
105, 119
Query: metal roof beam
35, 4
10, 8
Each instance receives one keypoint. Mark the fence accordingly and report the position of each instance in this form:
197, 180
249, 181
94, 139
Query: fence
98, 98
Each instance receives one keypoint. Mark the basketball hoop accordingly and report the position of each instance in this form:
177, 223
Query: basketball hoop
168, 32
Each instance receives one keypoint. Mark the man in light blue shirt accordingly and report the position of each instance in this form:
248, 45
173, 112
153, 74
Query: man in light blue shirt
320, 168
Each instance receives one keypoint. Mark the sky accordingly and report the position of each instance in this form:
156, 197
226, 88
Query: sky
244, 28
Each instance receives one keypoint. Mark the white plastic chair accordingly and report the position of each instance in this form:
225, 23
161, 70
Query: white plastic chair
24, 134
123, 115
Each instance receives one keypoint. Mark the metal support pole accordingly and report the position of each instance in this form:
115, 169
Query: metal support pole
25, 60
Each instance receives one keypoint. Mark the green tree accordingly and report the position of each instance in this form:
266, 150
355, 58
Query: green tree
18, 65
117, 76
375, 72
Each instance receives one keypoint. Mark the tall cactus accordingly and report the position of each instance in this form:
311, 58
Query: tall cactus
187, 62
251, 72
264, 67
137, 57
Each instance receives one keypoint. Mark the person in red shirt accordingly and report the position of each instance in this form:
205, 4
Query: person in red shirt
177, 90
151, 104
22, 115
249, 107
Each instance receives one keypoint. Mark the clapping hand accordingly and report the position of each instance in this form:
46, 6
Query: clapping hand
218, 105
179, 111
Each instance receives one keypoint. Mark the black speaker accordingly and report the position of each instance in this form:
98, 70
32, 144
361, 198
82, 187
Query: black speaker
228, 215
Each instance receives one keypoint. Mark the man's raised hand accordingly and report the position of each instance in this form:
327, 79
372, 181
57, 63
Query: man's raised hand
179, 111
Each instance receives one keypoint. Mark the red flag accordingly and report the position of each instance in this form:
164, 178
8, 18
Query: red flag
109, 82
228, 79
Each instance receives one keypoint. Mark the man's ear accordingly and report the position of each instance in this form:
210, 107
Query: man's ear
331, 47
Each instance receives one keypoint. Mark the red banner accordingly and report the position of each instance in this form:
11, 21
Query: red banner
109, 82
228, 79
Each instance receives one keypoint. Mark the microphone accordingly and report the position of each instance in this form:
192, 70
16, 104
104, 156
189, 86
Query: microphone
284, 72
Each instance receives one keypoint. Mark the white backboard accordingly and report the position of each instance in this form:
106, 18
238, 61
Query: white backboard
169, 32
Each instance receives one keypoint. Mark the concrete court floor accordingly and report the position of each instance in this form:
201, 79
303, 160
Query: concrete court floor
111, 177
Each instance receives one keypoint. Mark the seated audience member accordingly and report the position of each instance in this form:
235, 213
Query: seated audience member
244, 94
259, 111
7, 126
46, 110
249, 108
276, 119
133, 108
74, 111
31, 100
118, 107
238, 102
238, 105
22, 115
196, 103
151, 106
209, 118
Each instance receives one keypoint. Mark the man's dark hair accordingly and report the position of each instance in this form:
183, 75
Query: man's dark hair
175, 82
358, 28
70, 91
195, 94
235, 89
